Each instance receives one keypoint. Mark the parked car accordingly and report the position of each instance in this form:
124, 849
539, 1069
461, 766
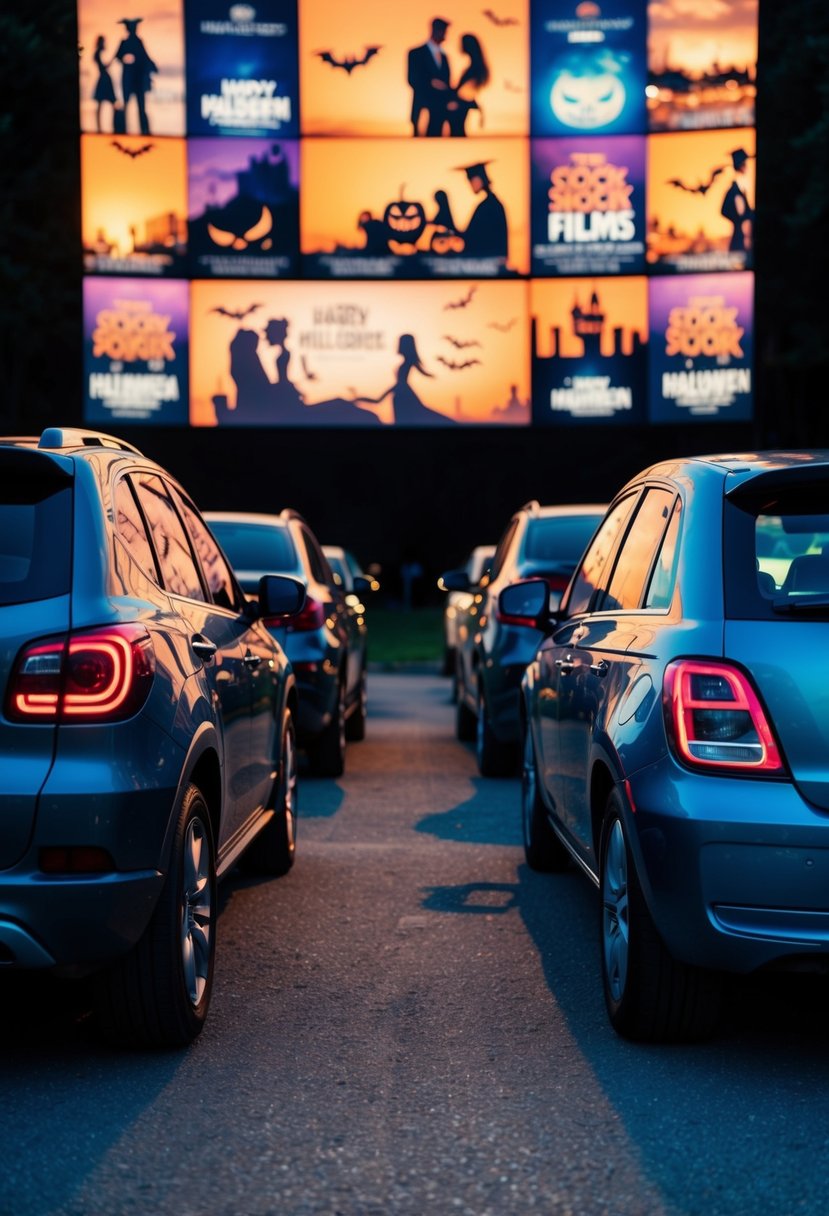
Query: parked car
325, 642
493, 647
147, 732
347, 570
676, 732
459, 602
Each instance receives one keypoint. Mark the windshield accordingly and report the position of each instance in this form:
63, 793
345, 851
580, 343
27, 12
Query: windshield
781, 549
558, 538
35, 541
267, 548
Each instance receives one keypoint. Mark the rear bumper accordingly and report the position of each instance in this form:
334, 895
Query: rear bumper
735, 871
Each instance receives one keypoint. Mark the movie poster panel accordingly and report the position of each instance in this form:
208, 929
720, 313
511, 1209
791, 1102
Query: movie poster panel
135, 351
131, 68
243, 207
702, 65
589, 351
701, 202
359, 354
242, 69
588, 68
453, 217
388, 69
702, 348
133, 205
588, 206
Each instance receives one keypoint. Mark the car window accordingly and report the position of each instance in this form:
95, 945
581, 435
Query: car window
35, 536
502, 550
179, 573
266, 547
558, 538
317, 564
636, 555
777, 553
595, 566
661, 588
130, 528
220, 582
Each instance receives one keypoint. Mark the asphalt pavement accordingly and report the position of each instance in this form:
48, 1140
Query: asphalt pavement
411, 1022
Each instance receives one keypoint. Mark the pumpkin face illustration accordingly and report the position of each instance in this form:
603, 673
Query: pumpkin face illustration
244, 224
404, 221
445, 241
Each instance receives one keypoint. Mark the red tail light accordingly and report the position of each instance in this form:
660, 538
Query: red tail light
715, 720
103, 675
312, 617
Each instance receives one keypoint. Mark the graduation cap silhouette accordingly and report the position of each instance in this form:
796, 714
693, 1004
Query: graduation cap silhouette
476, 170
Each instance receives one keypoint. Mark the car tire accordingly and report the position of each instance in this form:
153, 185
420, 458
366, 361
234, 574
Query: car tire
466, 724
327, 752
448, 667
650, 996
355, 726
274, 849
159, 993
495, 759
542, 847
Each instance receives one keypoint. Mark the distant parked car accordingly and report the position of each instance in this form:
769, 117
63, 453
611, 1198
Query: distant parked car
325, 642
147, 734
494, 647
676, 732
459, 602
348, 571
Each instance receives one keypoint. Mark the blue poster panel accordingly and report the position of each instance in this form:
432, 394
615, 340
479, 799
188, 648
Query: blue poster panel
589, 350
243, 207
242, 68
702, 64
588, 66
702, 348
701, 202
135, 351
131, 68
359, 354
449, 220
133, 205
382, 69
588, 205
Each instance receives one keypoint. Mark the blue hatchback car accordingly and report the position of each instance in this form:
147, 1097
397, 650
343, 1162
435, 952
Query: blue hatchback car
676, 731
147, 731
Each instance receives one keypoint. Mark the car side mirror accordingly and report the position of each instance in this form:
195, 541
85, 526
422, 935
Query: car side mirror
530, 603
454, 580
280, 595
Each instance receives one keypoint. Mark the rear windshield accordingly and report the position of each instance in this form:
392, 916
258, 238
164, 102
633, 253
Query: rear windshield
265, 548
777, 555
561, 539
35, 541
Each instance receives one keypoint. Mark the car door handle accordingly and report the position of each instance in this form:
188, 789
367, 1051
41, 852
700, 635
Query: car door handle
565, 666
601, 668
205, 649
252, 660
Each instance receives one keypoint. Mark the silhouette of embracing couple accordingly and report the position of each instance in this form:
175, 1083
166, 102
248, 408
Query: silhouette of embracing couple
439, 106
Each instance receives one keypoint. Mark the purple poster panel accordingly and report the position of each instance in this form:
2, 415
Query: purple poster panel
702, 347
135, 351
588, 206
243, 208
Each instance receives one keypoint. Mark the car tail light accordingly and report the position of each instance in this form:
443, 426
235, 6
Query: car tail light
715, 719
312, 617
102, 675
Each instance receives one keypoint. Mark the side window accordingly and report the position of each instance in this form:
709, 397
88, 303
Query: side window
502, 550
220, 582
129, 525
595, 567
661, 589
319, 566
635, 559
179, 572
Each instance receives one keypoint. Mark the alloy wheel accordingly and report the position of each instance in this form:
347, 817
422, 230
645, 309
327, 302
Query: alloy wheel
196, 911
616, 912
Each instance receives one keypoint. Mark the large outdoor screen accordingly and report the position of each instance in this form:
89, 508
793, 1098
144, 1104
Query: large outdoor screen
538, 214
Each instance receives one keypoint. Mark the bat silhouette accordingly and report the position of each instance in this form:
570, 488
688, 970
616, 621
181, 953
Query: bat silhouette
309, 375
496, 20
457, 367
458, 345
131, 152
237, 316
463, 301
702, 188
502, 328
351, 61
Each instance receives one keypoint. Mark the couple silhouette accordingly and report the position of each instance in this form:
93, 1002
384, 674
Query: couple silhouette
440, 107
137, 71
